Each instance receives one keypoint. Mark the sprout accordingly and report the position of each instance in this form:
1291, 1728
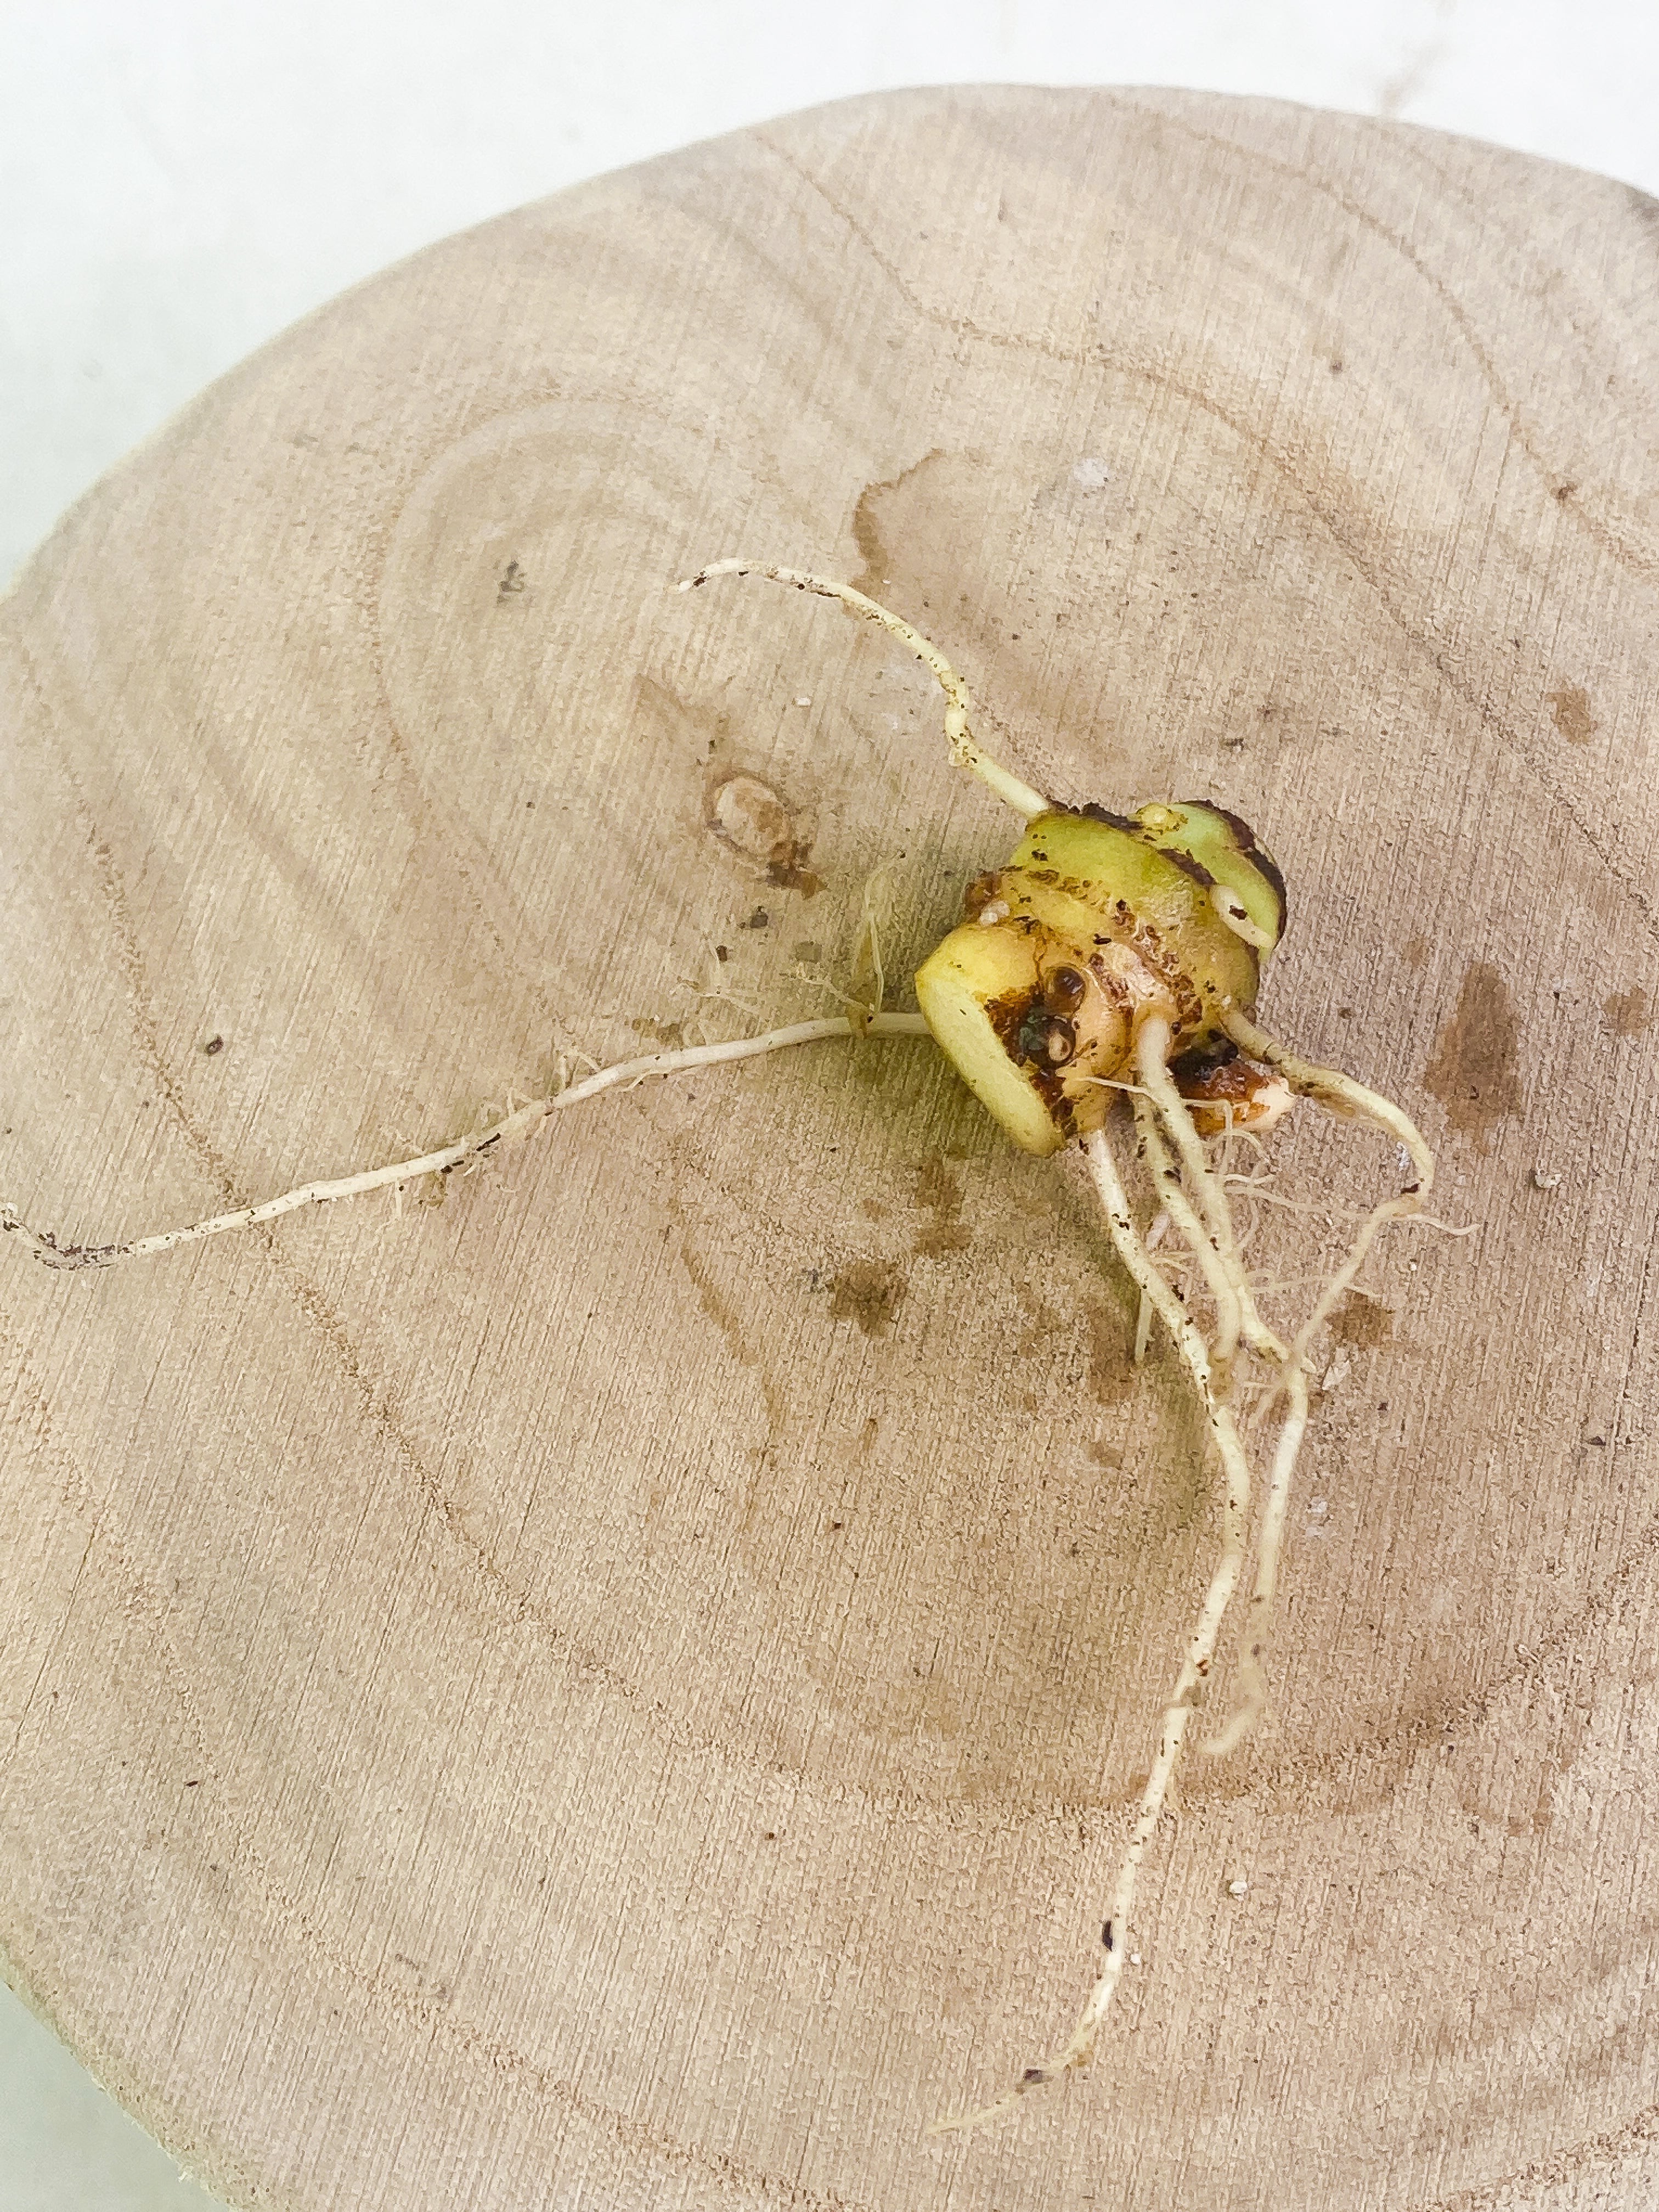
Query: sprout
1118, 952
1109, 954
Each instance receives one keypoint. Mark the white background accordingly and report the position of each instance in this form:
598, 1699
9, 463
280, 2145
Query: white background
180, 179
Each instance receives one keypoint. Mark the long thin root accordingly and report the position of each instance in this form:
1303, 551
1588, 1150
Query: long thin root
965, 750
1195, 1664
1191, 1196
521, 1122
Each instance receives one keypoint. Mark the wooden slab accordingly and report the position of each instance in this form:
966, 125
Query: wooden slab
623, 1690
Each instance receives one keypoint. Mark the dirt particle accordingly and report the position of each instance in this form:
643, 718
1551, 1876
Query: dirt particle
217, 1043
1475, 1071
512, 582
1361, 1321
870, 1293
1570, 704
1628, 1012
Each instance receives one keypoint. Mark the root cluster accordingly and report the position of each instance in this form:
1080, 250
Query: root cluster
1192, 1197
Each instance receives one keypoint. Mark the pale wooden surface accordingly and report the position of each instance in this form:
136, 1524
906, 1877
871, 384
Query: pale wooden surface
623, 1691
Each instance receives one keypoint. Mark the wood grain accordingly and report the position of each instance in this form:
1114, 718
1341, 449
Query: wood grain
624, 1689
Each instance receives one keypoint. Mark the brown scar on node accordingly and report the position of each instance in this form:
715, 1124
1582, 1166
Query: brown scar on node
1230, 1093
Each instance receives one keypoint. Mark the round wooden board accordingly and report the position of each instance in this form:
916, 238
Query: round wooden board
623, 1690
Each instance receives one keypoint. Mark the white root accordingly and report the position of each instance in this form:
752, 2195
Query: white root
1252, 1674
1193, 1198
965, 750
521, 1122
1226, 1258
1195, 1665
1343, 1095
1153, 1045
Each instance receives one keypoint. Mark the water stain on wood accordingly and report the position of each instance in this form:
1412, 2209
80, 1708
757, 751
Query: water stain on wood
1628, 1012
1475, 1072
873, 577
671, 1035
870, 1293
696, 732
1111, 1369
1361, 1322
1570, 704
939, 1192
750, 819
719, 1308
